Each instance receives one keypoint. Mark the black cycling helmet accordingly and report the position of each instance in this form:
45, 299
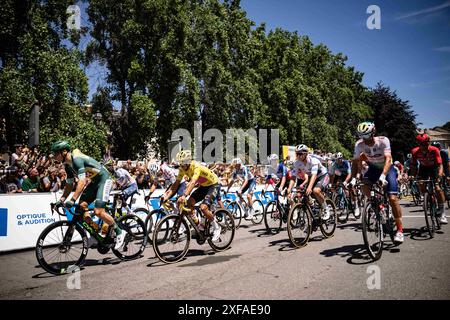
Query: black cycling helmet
436, 144
60, 145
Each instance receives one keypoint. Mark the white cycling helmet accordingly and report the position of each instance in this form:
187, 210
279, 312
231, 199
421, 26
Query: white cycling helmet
339, 155
236, 161
273, 156
365, 129
409, 155
153, 168
301, 148
396, 162
184, 157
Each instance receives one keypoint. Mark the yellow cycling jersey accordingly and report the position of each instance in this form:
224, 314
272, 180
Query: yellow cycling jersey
204, 176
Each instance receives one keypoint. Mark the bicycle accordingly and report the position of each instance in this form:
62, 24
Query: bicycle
377, 221
417, 198
239, 207
120, 207
430, 207
275, 213
345, 204
306, 217
64, 244
172, 235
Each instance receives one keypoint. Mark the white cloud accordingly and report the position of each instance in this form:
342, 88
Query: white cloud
424, 11
442, 49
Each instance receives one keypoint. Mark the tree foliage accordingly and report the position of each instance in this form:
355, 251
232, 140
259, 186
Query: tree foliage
173, 62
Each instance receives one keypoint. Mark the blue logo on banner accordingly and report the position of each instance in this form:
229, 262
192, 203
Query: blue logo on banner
3, 222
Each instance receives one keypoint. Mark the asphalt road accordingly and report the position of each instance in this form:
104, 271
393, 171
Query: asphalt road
257, 266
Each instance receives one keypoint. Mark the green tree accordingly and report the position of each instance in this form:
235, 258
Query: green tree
394, 119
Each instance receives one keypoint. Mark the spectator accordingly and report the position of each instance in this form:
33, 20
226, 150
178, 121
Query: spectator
143, 179
62, 175
32, 182
52, 183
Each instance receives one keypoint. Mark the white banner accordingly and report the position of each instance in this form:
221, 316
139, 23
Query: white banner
24, 216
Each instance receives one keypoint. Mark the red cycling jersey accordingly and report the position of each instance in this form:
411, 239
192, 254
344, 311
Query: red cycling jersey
431, 158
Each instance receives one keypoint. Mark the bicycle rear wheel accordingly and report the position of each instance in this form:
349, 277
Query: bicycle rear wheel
429, 212
61, 247
372, 232
299, 225
341, 207
258, 212
226, 222
171, 238
235, 209
272, 217
328, 227
151, 221
135, 238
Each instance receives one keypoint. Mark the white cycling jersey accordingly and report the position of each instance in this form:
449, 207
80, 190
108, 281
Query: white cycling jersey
312, 166
375, 154
123, 177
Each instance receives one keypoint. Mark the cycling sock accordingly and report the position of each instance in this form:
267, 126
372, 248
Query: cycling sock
117, 230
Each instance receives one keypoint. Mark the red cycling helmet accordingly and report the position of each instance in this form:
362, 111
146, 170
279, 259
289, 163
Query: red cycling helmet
422, 138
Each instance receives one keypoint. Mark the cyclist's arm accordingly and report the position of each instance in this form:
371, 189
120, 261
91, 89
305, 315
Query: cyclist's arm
80, 186
387, 163
355, 168
171, 190
291, 184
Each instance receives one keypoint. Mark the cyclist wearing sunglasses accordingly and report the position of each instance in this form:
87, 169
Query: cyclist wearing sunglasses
376, 152
430, 168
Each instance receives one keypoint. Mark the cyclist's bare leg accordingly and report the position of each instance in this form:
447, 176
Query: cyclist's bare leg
397, 211
250, 201
206, 212
319, 196
101, 213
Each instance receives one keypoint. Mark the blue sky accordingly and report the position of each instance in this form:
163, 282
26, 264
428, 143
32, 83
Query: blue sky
410, 53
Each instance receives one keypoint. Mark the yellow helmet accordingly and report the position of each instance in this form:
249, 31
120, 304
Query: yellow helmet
365, 129
184, 157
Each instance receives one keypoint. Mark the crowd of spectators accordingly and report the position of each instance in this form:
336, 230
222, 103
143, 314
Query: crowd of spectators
27, 170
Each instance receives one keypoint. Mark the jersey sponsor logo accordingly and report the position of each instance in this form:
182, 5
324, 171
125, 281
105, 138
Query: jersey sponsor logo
107, 190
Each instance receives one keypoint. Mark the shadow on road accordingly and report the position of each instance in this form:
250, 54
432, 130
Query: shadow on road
356, 254
417, 234
351, 226
210, 260
191, 253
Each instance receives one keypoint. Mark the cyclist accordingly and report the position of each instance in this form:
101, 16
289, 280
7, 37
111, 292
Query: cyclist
78, 165
445, 159
430, 168
248, 184
376, 152
208, 190
124, 181
276, 171
341, 170
162, 174
317, 174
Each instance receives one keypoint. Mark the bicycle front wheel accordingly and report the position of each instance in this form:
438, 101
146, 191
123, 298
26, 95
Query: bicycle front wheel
171, 238
299, 225
61, 247
372, 232
135, 237
429, 210
328, 227
227, 230
272, 217
258, 212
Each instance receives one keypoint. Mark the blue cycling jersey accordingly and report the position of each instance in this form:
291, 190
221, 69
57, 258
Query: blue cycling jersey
279, 173
445, 161
341, 169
